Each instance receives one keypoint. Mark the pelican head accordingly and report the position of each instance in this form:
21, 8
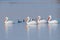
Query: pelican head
6, 19
27, 19
39, 17
49, 18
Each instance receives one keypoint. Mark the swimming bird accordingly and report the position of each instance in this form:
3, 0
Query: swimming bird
6, 21
19, 21
41, 21
28, 22
52, 21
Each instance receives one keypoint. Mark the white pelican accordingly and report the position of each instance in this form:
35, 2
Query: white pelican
39, 20
28, 22
6, 21
52, 21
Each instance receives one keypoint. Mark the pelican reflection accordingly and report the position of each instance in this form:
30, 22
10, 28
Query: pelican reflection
41, 26
8, 28
52, 30
52, 27
28, 27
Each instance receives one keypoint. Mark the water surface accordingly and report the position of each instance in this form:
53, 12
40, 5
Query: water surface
19, 10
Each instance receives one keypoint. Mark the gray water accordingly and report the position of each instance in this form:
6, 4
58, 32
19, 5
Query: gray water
20, 9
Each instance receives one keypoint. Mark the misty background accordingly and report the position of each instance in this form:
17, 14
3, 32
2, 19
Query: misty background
19, 9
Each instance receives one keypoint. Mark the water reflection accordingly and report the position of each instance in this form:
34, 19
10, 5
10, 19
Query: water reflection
52, 31
41, 26
42, 32
31, 29
8, 28
52, 27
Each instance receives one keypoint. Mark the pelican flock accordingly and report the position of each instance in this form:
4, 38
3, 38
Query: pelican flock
29, 21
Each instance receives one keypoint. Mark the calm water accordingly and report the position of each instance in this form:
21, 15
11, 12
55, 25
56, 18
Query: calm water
21, 31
